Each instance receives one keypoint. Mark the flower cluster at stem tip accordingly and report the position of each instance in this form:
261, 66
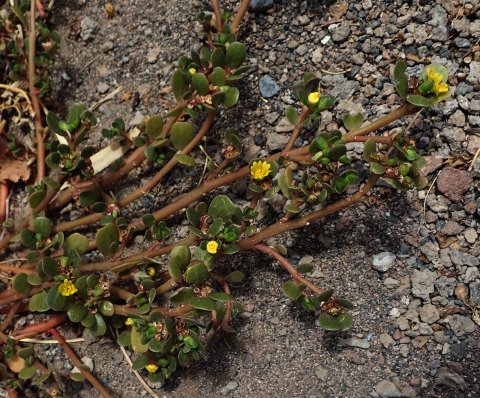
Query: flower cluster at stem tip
436, 78
151, 368
67, 288
129, 322
313, 98
212, 247
260, 170
151, 271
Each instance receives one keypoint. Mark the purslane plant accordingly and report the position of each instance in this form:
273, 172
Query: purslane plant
167, 307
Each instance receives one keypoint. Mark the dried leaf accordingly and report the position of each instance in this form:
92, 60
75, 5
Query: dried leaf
461, 293
15, 363
126, 96
449, 311
476, 317
338, 9
13, 170
420, 341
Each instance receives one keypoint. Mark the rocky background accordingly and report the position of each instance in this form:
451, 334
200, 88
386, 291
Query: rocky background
409, 260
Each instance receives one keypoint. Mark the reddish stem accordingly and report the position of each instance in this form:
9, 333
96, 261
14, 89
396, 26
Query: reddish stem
13, 310
79, 364
3, 200
40, 327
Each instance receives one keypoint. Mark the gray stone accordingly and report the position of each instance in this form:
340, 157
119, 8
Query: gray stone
471, 235
345, 90
474, 75
471, 274
445, 286
276, 141
261, 5
89, 337
439, 21
461, 325
474, 289
453, 183
423, 283
382, 262
386, 340
268, 87
457, 119
317, 55
87, 361
102, 88
301, 50
461, 42
88, 27
231, 386
321, 372
430, 250
354, 342
429, 313
458, 350
386, 389
341, 32
447, 377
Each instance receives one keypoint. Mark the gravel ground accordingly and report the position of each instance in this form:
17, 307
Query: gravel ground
402, 257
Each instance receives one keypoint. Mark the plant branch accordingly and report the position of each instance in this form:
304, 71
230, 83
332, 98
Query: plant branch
242, 9
218, 15
79, 364
404, 110
296, 130
289, 267
33, 95
281, 227
40, 327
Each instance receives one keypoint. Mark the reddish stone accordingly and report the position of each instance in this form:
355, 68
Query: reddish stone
452, 228
454, 183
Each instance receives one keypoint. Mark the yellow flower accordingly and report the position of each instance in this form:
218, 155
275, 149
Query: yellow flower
67, 288
260, 170
313, 98
436, 78
151, 271
212, 247
151, 368
129, 322
192, 71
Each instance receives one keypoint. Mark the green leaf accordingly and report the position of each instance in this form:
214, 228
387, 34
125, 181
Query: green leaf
77, 312
353, 121
218, 98
51, 182
193, 217
221, 207
231, 97
235, 55
418, 100
105, 237
329, 322
304, 268
88, 320
224, 297
124, 338
368, 148
197, 274
99, 326
181, 134
27, 372
184, 159
52, 121
175, 272
182, 296
74, 114
88, 197
20, 283
140, 362
235, 277
200, 83
154, 127
77, 376
291, 114
180, 85
38, 302
291, 289
34, 279
203, 303
345, 320
325, 295
137, 346
218, 58
377, 168
439, 68
77, 242
216, 226
25, 352
401, 78
292, 209
345, 303
231, 249
106, 307
55, 300
37, 197
337, 152
181, 256
218, 76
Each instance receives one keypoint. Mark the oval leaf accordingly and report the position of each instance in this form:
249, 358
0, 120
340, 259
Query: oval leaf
105, 237
181, 134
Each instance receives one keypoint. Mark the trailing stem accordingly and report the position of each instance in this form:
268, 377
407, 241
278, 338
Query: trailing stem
242, 9
79, 364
